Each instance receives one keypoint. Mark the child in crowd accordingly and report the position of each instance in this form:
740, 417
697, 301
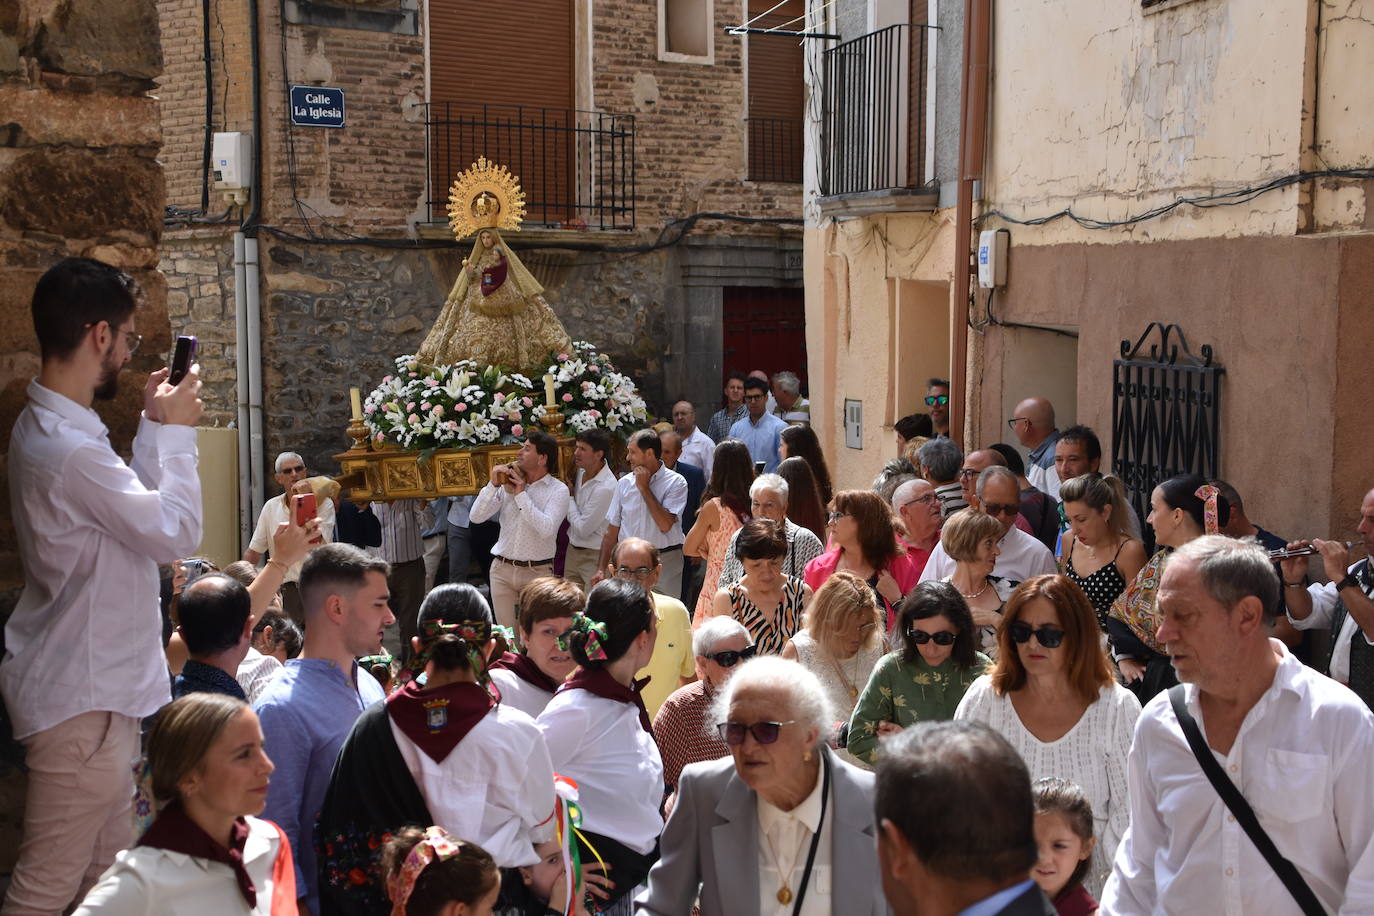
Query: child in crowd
430, 873
1064, 835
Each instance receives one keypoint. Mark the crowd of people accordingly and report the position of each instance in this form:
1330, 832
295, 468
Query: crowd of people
714, 683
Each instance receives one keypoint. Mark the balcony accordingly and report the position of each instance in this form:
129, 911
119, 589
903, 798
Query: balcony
775, 149
875, 130
577, 168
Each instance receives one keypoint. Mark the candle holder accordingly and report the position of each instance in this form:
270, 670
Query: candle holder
359, 433
552, 420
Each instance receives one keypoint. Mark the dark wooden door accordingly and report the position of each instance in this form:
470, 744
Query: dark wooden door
765, 328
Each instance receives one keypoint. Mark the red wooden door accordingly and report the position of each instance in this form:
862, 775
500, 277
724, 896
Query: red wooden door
765, 328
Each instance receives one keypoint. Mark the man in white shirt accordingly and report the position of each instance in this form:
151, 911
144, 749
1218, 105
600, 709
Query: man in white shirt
1343, 605
532, 503
83, 657
648, 504
1020, 556
291, 474
592, 492
697, 447
1298, 746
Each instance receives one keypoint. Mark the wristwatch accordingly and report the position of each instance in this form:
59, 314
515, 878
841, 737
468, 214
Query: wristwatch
1349, 580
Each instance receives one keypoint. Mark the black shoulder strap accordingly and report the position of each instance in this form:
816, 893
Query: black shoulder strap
1245, 815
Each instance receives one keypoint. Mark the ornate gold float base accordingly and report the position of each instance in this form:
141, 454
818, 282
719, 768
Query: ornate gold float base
382, 474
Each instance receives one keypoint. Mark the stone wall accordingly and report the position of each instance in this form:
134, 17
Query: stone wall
79, 175
199, 265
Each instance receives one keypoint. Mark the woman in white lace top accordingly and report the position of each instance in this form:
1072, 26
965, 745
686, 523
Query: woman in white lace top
842, 639
1053, 696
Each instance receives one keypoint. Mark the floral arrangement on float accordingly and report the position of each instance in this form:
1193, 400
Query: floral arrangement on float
464, 405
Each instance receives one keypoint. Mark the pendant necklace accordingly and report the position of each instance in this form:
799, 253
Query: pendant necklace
784, 894
850, 682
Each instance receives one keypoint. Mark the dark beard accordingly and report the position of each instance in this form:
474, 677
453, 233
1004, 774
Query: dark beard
109, 384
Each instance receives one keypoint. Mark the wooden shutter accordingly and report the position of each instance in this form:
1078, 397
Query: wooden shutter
775, 94
501, 86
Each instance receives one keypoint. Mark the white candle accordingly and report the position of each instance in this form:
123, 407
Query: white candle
356, 397
548, 390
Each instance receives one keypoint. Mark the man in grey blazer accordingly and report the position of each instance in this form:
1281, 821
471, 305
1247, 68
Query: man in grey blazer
782, 819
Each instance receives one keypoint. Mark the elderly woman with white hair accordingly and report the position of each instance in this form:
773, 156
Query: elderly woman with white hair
683, 727
783, 826
768, 496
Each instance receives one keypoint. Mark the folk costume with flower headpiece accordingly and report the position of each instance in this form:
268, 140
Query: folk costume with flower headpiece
495, 314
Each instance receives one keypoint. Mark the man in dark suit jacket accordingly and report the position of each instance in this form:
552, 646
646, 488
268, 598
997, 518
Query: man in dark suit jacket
693, 572
956, 823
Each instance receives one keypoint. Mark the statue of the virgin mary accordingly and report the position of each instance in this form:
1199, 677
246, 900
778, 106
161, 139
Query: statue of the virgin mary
495, 314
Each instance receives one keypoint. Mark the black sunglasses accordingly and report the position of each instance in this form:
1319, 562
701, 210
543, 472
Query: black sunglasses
921, 637
729, 658
1049, 637
934, 399
732, 733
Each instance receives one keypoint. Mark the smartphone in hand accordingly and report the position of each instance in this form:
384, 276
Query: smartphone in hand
182, 359
305, 508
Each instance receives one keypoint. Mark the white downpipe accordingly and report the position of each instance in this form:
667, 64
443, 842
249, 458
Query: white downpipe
254, 336
247, 518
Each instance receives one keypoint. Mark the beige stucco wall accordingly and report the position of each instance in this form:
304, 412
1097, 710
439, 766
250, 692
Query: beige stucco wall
1113, 111
877, 327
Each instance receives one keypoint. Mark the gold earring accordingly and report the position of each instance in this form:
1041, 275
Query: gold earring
806, 758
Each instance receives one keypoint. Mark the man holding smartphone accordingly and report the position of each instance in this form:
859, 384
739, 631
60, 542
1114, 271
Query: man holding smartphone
83, 657
291, 474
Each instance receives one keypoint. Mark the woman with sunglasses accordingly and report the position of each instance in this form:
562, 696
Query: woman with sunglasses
925, 679
682, 727
970, 539
842, 640
1053, 695
599, 736
863, 541
768, 603
782, 826
445, 753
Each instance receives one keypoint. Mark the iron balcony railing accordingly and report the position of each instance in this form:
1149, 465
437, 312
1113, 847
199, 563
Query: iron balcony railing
577, 168
873, 122
775, 149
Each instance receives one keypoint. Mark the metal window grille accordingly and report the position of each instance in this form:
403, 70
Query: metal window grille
775, 149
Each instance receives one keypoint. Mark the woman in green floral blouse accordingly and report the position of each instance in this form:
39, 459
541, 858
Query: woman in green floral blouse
927, 677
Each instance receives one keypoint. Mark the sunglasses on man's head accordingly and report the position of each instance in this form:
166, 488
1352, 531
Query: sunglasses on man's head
730, 657
941, 399
732, 733
921, 637
1047, 636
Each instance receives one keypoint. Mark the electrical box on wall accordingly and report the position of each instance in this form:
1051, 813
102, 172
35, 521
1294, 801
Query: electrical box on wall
232, 155
992, 258
853, 423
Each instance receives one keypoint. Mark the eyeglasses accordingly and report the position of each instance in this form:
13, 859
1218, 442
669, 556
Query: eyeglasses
732, 733
966, 473
639, 572
1001, 509
1049, 637
921, 637
135, 340
730, 657
1011, 424
755, 397
836, 516
941, 399
929, 499
298, 469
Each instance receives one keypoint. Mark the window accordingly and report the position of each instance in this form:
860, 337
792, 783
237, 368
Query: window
685, 29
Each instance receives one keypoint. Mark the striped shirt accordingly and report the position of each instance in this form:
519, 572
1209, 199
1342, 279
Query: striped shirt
401, 542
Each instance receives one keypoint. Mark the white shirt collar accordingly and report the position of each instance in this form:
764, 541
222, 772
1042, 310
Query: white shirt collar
808, 813
84, 417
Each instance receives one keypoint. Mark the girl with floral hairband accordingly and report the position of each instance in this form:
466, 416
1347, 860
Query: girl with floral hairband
598, 736
431, 873
447, 752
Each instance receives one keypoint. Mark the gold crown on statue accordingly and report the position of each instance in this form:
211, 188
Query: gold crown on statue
485, 196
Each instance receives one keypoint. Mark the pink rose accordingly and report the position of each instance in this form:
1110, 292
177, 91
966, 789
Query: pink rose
386, 379
517, 430
594, 368
410, 406
369, 409
563, 357
439, 410
425, 405
499, 397
596, 414
527, 402
452, 424
432, 382
414, 375
460, 407
414, 419
567, 399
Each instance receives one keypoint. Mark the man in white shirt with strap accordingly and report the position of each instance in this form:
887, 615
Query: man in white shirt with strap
291, 474
83, 657
1298, 746
532, 503
1020, 556
697, 447
648, 504
592, 492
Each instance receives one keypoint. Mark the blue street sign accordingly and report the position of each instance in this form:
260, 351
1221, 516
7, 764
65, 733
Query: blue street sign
317, 106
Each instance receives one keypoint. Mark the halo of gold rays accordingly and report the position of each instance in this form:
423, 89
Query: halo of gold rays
485, 196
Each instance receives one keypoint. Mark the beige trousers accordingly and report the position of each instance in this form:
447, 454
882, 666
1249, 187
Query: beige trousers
507, 580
